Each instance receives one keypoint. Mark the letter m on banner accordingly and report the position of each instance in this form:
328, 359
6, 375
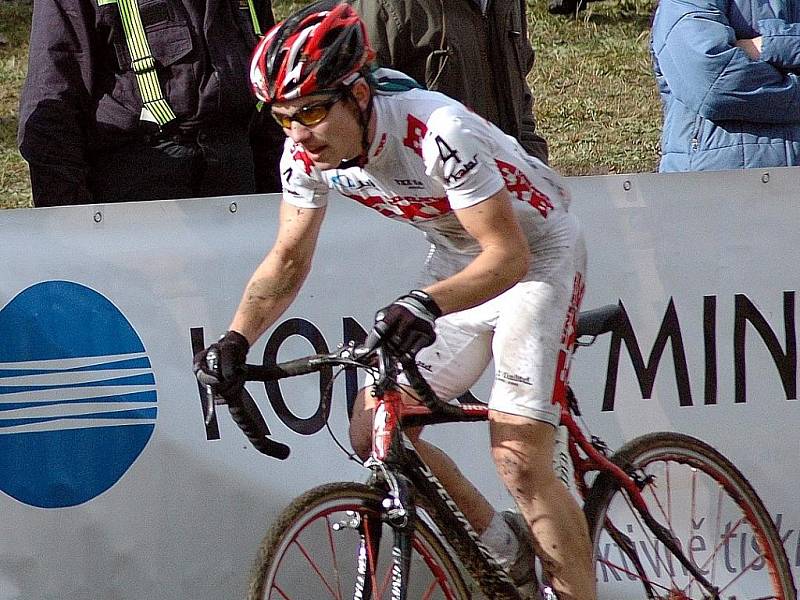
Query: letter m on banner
646, 374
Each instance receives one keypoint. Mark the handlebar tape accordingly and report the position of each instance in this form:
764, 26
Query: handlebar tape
246, 415
426, 394
282, 370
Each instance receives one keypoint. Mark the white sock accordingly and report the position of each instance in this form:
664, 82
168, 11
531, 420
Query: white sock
500, 539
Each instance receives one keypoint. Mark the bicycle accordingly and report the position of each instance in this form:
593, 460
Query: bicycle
669, 516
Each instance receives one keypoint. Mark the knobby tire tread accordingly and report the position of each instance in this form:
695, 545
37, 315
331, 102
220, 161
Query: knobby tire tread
271, 543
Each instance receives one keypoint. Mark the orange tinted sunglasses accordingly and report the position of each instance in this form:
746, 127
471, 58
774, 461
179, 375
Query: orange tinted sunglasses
308, 115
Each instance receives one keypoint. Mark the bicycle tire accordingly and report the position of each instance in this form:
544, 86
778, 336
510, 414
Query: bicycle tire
286, 570
690, 477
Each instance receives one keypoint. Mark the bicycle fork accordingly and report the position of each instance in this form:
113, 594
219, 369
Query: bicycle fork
398, 512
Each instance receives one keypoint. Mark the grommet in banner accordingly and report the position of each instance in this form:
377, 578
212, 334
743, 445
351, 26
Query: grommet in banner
98, 216
626, 185
765, 178
233, 207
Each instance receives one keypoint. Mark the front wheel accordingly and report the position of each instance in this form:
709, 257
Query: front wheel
314, 549
708, 507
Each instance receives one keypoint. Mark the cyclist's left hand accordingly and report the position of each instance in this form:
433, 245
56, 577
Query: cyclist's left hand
406, 325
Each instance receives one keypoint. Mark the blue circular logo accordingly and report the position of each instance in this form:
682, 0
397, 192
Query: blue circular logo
77, 395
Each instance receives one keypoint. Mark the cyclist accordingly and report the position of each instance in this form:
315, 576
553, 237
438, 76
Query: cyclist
504, 278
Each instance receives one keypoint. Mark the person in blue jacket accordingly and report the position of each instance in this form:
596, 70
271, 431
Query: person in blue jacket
727, 72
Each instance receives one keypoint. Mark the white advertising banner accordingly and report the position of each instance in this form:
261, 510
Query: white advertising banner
113, 487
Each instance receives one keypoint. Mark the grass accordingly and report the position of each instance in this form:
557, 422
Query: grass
15, 19
596, 101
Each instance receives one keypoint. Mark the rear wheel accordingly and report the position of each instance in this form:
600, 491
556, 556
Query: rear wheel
709, 508
313, 551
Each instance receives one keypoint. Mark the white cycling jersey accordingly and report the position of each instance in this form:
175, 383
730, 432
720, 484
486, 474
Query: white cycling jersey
430, 155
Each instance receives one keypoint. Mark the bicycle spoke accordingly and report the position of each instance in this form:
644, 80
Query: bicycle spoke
439, 576
648, 536
667, 478
314, 566
692, 518
372, 552
742, 572
632, 575
387, 581
334, 544
717, 530
432, 588
723, 542
332, 547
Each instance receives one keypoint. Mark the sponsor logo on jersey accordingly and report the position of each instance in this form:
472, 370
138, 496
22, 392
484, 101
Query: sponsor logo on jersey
513, 378
518, 184
411, 208
348, 182
462, 171
415, 131
412, 184
300, 155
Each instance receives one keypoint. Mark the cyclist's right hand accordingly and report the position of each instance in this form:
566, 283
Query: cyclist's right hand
407, 324
222, 364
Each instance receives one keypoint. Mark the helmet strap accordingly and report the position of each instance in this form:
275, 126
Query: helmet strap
364, 117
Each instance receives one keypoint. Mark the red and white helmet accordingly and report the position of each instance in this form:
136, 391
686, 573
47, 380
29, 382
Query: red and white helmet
319, 48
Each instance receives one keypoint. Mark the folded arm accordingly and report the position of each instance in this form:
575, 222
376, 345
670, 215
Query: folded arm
697, 58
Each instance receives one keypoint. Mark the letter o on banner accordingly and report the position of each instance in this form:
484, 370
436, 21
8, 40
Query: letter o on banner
307, 330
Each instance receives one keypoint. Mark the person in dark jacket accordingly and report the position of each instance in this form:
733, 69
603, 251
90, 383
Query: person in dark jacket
90, 134
479, 55
727, 72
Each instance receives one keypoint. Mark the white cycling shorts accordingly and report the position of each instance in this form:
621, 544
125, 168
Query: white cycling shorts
529, 330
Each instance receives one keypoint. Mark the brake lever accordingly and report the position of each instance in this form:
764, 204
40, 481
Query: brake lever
208, 405
210, 399
371, 343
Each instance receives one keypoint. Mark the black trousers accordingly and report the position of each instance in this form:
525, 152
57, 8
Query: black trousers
213, 162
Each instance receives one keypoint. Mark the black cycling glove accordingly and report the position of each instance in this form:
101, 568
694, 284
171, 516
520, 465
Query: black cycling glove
406, 325
221, 365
